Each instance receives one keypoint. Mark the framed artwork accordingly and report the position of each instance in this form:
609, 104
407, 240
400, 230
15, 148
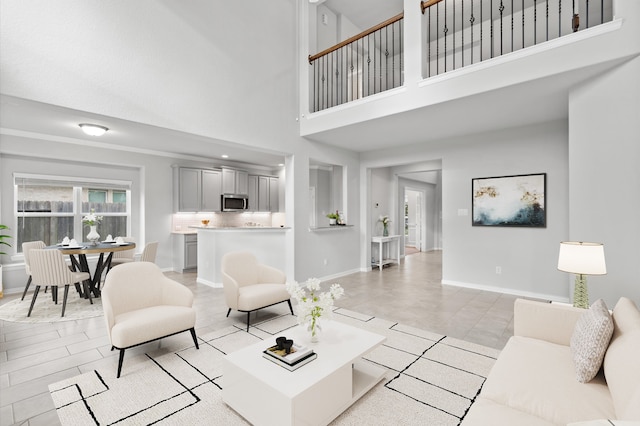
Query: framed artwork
510, 201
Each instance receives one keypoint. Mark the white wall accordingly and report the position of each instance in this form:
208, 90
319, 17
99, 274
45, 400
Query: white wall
604, 171
527, 256
196, 69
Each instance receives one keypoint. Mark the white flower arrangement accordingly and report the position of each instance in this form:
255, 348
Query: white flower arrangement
384, 219
316, 304
92, 219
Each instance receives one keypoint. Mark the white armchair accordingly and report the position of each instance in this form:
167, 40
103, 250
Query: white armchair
142, 305
249, 286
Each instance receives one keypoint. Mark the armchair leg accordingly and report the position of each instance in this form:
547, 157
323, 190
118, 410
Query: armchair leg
24, 293
33, 300
248, 317
228, 312
121, 358
195, 340
290, 307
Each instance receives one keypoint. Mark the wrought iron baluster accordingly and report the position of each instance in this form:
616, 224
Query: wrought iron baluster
368, 64
491, 26
501, 9
481, 31
523, 24
454, 36
587, 5
386, 57
547, 21
445, 30
535, 21
462, 32
429, 44
471, 21
601, 11
559, 18
437, 38
512, 26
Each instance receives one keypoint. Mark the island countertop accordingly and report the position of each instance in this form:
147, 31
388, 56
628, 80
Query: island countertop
239, 228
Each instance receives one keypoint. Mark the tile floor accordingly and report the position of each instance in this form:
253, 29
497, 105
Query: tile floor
34, 355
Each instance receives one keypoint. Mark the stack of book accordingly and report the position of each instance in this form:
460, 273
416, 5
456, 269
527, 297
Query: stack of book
296, 358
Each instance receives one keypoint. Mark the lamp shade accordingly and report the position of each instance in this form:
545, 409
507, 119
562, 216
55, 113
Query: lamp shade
582, 258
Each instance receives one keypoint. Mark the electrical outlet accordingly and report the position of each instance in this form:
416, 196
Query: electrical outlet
498, 270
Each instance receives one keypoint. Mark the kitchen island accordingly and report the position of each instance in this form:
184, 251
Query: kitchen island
268, 244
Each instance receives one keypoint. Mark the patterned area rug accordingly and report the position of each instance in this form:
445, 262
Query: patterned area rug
432, 379
46, 311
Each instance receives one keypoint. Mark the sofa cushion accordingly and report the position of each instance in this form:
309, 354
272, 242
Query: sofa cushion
485, 412
590, 340
621, 366
537, 377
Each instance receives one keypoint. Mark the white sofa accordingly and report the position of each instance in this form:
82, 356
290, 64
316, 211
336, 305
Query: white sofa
533, 382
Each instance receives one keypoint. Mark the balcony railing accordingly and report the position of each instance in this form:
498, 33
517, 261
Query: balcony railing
464, 32
456, 33
365, 64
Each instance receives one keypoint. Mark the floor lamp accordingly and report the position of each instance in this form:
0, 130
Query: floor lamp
581, 259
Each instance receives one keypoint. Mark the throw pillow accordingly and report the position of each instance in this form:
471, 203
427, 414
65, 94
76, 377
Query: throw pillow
590, 340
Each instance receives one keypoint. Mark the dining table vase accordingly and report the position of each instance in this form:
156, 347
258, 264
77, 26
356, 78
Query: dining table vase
93, 235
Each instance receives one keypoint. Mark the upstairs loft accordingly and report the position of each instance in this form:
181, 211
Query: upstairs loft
442, 68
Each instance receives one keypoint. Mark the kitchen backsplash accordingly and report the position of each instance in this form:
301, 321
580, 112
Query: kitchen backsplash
180, 222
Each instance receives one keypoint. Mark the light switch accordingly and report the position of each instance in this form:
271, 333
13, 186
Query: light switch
463, 212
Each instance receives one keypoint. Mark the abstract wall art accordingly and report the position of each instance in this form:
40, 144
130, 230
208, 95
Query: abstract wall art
510, 201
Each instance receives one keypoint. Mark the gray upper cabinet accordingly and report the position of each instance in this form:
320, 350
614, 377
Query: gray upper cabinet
234, 181
211, 190
197, 190
263, 193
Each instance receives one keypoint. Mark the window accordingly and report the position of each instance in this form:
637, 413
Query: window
49, 208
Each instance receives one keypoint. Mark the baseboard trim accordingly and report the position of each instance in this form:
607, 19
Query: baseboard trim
208, 283
339, 274
511, 291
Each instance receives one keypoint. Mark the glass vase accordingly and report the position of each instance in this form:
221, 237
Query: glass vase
315, 329
93, 237
385, 230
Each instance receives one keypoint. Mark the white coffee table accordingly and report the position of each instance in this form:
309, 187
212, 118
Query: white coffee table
266, 394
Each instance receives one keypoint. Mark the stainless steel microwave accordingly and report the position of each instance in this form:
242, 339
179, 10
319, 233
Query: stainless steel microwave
235, 202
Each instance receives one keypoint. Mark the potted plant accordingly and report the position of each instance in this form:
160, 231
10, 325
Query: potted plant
3, 242
333, 218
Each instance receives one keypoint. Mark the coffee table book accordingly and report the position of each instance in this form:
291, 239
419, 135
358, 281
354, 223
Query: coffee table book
297, 352
294, 366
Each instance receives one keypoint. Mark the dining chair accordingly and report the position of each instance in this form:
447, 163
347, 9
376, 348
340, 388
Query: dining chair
48, 267
149, 253
26, 247
124, 256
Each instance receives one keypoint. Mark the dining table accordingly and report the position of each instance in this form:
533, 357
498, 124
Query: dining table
78, 255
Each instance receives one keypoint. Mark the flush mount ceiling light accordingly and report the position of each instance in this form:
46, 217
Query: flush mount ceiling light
224, 156
93, 129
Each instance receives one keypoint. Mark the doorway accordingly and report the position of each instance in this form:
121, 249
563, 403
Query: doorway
412, 221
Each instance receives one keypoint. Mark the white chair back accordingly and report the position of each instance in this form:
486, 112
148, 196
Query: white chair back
125, 254
48, 267
149, 253
26, 247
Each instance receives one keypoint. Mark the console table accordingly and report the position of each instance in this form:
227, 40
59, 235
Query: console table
385, 252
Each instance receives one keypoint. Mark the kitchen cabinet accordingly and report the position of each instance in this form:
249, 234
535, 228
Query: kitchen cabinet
263, 193
197, 190
185, 252
234, 181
